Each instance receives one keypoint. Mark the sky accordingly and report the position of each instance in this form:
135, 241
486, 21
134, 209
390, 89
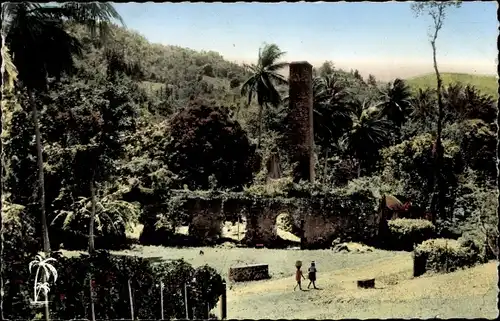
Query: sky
384, 39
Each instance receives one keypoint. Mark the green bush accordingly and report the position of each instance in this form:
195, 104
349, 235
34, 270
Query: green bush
444, 255
235, 82
404, 233
20, 244
109, 275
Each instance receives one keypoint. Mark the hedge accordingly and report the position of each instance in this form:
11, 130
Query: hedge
70, 296
404, 233
443, 256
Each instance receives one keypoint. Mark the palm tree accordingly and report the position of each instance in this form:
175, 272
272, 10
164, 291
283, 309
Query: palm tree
331, 113
467, 103
396, 101
42, 48
423, 105
454, 104
263, 80
41, 262
104, 207
369, 131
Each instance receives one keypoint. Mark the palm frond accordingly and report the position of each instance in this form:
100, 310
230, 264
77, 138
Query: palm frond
277, 78
96, 16
277, 66
248, 88
270, 54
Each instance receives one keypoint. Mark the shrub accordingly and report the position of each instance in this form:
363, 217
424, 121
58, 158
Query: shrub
474, 214
405, 233
20, 244
19, 231
112, 217
235, 82
411, 162
208, 70
109, 276
444, 255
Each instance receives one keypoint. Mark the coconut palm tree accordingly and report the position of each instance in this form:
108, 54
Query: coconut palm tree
43, 49
369, 131
395, 100
262, 83
424, 105
331, 113
467, 103
41, 262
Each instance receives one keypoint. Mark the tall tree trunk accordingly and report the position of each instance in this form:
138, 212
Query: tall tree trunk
437, 205
41, 186
92, 216
260, 125
47, 311
41, 176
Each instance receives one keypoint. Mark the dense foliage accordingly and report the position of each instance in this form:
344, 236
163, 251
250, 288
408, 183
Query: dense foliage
109, 276
209, 150
141, 128
118, 125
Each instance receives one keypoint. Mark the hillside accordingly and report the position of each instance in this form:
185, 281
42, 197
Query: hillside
155, 67
485, 83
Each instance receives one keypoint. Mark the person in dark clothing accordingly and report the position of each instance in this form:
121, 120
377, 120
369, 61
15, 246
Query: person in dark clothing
312, 275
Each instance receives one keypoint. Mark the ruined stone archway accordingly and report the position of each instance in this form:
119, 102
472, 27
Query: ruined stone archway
207, 219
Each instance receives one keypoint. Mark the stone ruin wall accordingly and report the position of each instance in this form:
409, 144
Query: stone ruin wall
261, 224
207, 219
319, 229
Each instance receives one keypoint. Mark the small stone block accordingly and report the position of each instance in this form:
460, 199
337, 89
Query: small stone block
366, 284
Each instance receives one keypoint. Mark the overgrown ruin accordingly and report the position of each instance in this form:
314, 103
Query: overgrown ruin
320, 216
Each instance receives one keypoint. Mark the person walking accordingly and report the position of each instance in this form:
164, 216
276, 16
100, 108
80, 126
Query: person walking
298, 276
312, 275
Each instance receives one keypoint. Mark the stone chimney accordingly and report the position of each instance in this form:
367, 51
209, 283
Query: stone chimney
300, 126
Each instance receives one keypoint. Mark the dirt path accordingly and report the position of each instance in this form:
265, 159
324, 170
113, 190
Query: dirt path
468, 293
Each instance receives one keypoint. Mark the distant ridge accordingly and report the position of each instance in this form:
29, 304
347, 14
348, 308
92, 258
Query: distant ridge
487, 84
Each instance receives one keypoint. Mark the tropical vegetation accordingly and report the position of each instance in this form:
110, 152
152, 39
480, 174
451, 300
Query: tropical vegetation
101, 127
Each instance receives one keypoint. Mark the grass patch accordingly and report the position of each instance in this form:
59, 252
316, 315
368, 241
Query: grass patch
151, 88
281, 262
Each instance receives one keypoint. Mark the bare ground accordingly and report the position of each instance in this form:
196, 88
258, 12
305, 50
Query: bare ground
470, 293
